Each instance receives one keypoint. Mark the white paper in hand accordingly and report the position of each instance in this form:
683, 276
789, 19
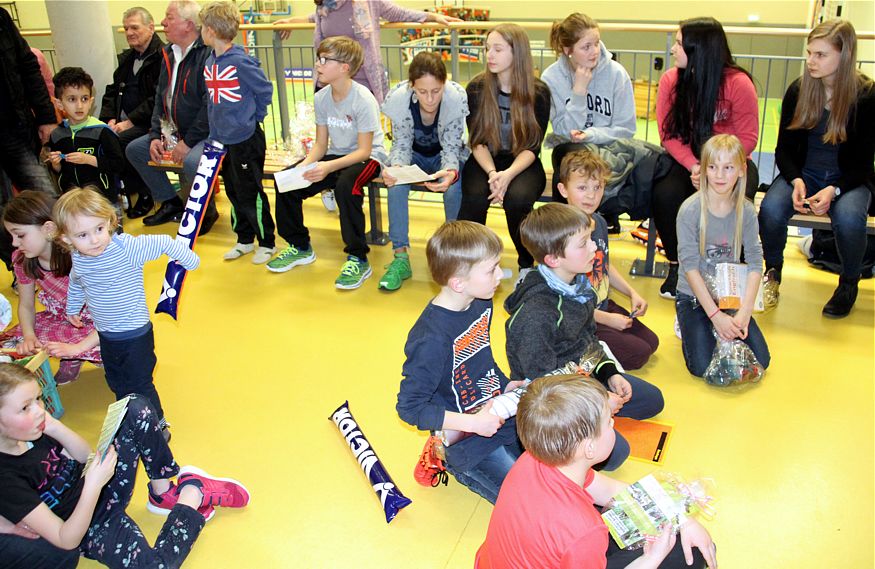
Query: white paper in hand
293, 179
115, 412
412, 174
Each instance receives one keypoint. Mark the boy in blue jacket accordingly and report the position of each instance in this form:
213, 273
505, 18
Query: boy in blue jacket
239, 94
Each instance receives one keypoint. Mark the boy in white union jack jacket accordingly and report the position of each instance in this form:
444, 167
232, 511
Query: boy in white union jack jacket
239, 94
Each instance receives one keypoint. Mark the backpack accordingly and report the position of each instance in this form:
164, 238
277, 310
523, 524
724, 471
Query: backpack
824, 255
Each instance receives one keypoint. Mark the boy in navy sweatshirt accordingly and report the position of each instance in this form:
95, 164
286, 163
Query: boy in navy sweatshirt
239, 94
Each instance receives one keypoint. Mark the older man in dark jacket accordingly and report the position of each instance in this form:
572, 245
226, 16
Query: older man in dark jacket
129, 100
181, 101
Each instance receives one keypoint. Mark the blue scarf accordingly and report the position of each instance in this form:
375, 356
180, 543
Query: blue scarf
580, 290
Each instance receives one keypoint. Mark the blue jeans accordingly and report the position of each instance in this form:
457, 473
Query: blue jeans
397, 198
486, 477
697, 336
646, 402
847, 213
159, 185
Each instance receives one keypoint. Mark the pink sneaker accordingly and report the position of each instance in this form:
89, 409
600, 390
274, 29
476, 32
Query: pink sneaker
68, 371
161, 504
222, 492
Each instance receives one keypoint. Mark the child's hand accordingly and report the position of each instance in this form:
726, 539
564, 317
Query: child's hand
317, 173
694, 535
99, 473
19, 529
620, 385
75, 320
55, 159
485, 423
444, 179
63, 350
582, 77
741, 321
726, 327
618, 322
639, 305
498, 183
28, 346
81, 158
388, 179
615, 402
656, 551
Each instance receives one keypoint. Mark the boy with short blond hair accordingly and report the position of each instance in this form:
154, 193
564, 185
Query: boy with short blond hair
546, 512
450, 374
84, 150
239, 94
583, 175
347, 154
551, 316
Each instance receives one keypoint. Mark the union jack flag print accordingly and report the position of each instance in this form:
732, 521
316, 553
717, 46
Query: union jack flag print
222, 85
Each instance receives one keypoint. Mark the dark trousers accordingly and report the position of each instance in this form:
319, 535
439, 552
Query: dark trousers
632, 346
113, 538
522, 193
18, 552
134, 184
620, 558
348, 185
671, 191
242, 171
128, 365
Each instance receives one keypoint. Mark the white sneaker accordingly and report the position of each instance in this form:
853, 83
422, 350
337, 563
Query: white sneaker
263, 255
328, 200
238, 251
522, 276
677, 328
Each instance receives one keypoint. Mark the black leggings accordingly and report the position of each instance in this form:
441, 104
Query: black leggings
671, 191
522, 193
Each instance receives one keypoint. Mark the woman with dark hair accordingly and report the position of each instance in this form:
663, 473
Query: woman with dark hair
705, 94
510, 110
428, 129
826, 146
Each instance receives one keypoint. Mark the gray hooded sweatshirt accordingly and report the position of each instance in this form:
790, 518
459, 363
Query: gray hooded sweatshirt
451, 125
607, 111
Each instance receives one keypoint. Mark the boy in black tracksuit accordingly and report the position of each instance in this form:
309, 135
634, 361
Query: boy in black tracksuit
239, 94
85, 151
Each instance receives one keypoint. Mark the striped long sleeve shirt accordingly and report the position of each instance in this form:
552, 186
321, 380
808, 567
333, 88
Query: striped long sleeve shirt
112, 283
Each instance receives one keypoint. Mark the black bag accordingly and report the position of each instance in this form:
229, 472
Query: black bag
824, 254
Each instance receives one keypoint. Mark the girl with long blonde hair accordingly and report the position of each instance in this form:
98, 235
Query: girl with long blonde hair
714, 226
509, 112
826, 146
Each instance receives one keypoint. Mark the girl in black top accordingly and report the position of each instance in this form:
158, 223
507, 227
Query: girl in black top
509, 114
826, 146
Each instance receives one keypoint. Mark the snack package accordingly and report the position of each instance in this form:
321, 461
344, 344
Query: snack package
637, 514
730, 285
733, 363
169, 137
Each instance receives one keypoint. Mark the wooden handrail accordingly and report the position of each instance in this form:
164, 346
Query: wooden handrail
604, 26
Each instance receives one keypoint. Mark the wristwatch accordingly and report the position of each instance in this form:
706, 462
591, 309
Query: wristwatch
838, 192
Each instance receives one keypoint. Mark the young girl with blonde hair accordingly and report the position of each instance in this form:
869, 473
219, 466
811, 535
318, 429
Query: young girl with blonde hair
509, 112
715, 225
826, 147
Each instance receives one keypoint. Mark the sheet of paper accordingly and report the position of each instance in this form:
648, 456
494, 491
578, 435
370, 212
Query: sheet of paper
412, 174
115, 413
293, 179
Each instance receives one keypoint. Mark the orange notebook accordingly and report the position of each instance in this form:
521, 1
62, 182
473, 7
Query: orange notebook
648, 440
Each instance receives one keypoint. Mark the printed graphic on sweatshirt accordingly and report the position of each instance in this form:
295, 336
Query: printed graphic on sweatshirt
598, 277
60, 476
346, 123
472, 392
222, 85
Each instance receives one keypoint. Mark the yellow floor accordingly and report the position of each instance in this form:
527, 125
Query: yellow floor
258, 361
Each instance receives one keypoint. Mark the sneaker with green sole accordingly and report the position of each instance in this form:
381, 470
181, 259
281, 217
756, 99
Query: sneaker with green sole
353, 273
396, 272
290, 257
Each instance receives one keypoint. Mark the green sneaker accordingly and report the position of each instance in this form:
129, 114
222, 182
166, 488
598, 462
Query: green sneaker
290, 257
396, 272
353, 273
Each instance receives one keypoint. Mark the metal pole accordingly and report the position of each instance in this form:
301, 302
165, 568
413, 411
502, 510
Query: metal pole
454, 54
280, 68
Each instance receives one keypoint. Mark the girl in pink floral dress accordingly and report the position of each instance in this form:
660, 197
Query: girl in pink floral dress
39, 262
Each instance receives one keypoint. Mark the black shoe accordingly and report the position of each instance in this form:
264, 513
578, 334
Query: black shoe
613, 222
171, 210
670, 284
208, 222
144, 206
843, 299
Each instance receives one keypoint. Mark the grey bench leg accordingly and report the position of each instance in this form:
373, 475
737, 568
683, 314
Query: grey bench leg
649, 267
375, 235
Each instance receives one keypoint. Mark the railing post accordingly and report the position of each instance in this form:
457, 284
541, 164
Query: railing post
454, 54
280, 67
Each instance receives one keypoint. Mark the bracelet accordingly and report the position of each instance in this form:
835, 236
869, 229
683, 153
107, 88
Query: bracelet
716, 310
489, 172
